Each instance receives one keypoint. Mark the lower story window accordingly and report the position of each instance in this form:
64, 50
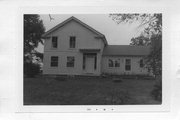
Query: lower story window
110, 63
54, 61
117, 63
128, 65
141, 64
70, 61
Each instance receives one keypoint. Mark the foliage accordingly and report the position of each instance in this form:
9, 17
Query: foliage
40, 55
151, 35
154, 59
157, 91
31, 69
33, 29
150, 22
140, 41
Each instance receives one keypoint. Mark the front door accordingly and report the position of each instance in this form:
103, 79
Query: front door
90, 64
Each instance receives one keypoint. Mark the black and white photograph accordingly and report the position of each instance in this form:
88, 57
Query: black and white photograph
92, 59
89, 60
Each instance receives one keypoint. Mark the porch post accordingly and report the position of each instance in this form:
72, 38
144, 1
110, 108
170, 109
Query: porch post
84, 60
95, 61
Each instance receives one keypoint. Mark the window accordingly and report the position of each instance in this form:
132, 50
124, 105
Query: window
111, 63
128, 64
54, 42
117, 63
54, 61
141, 63
72, 42
70, 61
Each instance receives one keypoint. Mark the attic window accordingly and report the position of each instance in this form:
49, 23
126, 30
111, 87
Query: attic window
72, 42
54, 41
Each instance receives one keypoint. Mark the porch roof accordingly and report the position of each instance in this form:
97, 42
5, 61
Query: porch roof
89, 50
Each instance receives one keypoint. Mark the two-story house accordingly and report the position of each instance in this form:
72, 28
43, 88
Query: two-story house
74, 48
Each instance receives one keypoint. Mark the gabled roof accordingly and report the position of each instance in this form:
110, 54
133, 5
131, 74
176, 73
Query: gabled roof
78, 21
126, 50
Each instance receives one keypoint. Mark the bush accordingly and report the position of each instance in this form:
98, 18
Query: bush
31, 69
157, 91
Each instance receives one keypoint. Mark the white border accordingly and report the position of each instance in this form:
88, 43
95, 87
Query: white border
109, 8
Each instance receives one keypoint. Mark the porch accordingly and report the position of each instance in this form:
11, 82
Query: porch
90, 59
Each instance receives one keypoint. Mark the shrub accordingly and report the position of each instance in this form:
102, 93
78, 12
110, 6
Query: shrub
31, 69
157, 91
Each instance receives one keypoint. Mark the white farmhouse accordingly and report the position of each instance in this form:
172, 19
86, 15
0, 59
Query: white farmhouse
74, 48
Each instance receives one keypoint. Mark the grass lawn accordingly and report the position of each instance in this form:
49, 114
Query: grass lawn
87, 91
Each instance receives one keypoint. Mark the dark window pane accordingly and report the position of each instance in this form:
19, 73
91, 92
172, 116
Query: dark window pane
54, 42
72, 41
70, 61
117, 63
110, 63
141, 63
128, 61
128, 67
54, 61
95, 62
128, 64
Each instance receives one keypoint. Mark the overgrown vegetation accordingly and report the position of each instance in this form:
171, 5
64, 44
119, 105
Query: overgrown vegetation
157, 91
33, 29
31, 69
151, 35
83, 90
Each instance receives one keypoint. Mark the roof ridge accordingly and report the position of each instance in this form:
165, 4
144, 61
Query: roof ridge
78, 21
67, 20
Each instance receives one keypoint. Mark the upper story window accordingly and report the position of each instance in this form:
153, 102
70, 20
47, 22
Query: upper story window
70, 61
54, 61
128, 65
141, 63
54, 41
72, 42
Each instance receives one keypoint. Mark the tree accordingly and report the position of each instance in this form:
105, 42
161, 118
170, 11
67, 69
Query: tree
33, 29
140, 41
151, 35
152, 24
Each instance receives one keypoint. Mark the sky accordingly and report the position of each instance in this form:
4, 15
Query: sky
116, 34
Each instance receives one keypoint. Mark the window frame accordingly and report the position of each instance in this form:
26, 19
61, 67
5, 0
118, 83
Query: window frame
112, 63
141, 63
128, 65
54, 61
54, 44
68, 64
72, 42
117, 62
